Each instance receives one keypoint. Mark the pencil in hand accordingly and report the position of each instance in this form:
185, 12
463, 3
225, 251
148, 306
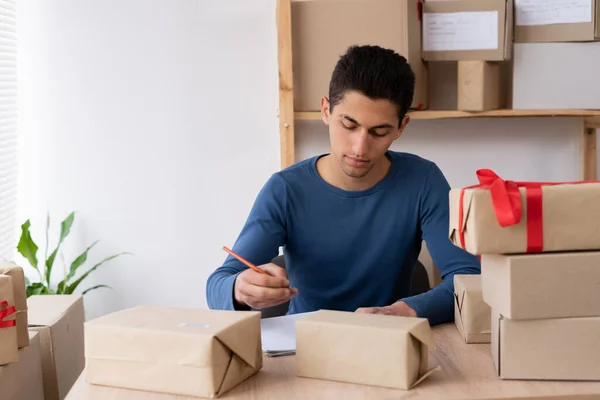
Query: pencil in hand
244, 261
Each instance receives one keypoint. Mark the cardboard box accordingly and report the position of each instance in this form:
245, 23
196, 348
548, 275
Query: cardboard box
472, 315
481, 85
531, 90
23, 380
546, 349
556, 21
369, 349
18, 279
59, 321
188, 352
570, 214
466, 30
542, 286
9, 351
322, 30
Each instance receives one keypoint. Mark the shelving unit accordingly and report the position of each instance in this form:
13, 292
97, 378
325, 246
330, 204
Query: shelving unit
590, 119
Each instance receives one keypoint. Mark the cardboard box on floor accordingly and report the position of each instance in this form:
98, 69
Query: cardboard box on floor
322, 30
531, 90
472, 315
546, 349
557, 21
542, 286
18, 280
59, 321
23, 380
369, 349
188, 352
570, 220
8, 334
467, 30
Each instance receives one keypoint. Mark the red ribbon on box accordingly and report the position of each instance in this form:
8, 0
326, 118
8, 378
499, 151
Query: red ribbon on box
6, 311
506, 199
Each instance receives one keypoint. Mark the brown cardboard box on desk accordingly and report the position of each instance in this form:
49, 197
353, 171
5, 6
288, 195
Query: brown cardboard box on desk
322, 30
370, 349
542, 286
18, 280
23, 380
472, 315
59, 321
189, 352
547, 349
8, 331
565, 217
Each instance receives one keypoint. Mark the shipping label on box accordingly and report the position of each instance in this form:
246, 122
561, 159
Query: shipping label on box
188, 352
369, 349
59, 321
322, 30
466, 30
472, 315
18, 280
546, 349
22, 380
542, 286
556, 21
8, 331
501, 217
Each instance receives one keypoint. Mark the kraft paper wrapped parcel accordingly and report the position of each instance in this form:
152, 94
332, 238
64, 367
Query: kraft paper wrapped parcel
188, 352
472, 315
369, 349
500, 216
18, 281
9, 350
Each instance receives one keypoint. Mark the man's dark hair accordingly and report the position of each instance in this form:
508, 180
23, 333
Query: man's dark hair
375, 72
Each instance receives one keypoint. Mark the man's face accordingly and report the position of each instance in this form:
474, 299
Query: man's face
361, 130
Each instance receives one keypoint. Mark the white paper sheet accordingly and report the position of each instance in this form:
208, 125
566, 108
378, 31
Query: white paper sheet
278, 334
469, 30
548, 12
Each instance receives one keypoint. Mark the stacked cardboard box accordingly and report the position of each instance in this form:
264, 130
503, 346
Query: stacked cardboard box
478, 35
20, 359
546, 31
540, 272
322, 30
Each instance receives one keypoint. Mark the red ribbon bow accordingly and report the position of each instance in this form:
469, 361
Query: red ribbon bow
6, 311
506, 199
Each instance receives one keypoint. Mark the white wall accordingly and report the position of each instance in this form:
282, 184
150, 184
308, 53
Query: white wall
156, 121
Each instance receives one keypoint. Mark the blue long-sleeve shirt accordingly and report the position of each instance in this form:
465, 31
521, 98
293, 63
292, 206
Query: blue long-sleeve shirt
349, 249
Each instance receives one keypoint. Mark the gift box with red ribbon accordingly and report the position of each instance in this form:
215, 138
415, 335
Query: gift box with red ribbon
500, 216
9, 351
18, 281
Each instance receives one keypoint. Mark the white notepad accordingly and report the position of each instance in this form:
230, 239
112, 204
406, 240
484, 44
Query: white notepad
278, 334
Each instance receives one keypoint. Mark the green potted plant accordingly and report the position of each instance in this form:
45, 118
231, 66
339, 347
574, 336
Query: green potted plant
71, 281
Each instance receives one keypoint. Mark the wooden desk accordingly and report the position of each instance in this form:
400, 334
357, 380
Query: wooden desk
467, 373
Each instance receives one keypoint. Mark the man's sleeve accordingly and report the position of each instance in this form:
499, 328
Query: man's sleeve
263, 233
438, 304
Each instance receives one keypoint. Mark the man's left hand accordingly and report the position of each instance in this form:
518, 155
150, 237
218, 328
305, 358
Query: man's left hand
399, 308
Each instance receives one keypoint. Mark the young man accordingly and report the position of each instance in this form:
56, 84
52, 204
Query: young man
351, 222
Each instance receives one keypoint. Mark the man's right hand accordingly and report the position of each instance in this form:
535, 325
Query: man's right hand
259, 291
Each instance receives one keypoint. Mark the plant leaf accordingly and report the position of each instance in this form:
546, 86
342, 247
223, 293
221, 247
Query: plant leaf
65, 229
71, 288
27, 246
78, 262
36, 289
27, 282
95, 287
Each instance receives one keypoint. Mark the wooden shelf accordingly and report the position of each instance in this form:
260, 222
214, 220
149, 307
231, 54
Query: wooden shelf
449, 114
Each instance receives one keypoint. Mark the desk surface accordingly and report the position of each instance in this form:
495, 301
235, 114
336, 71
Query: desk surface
467, 373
